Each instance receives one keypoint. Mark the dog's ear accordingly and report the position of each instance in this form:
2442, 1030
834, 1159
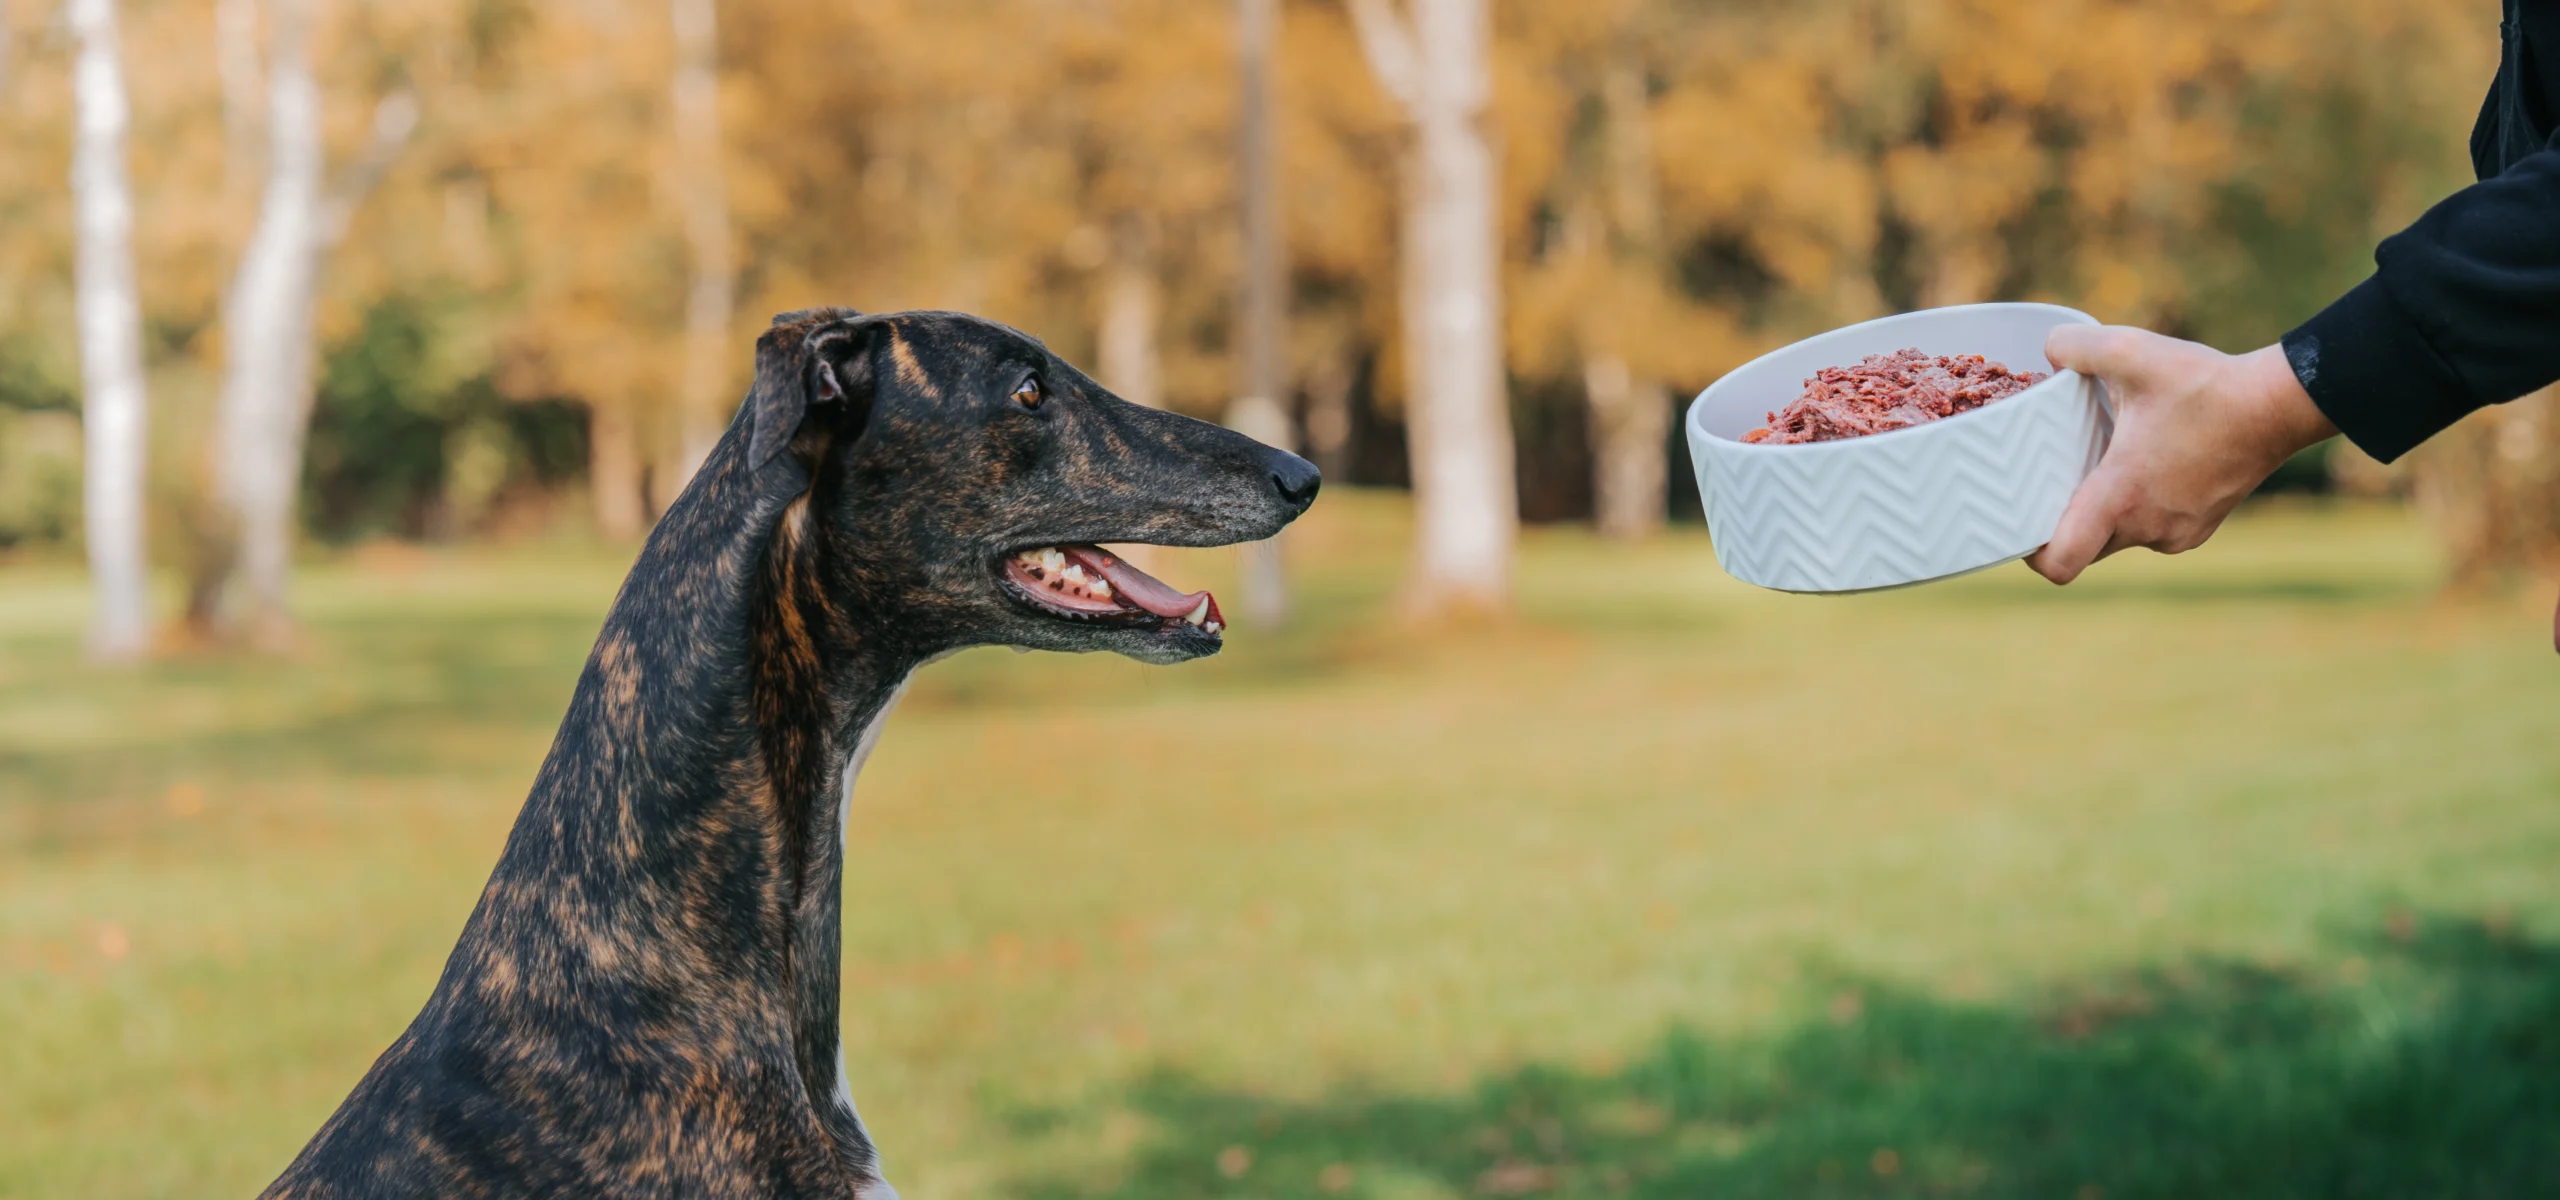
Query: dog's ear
812, 366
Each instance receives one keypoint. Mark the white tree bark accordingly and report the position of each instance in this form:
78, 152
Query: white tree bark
1131, 351
1259, 410
1132, 362
705, 403
1630, 414
2491, 488
1457, 417
614, 470
1630, 420
266, 381
114, 400
266, 391
1328, 383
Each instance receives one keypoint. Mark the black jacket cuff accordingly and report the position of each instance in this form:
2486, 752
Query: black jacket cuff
2374, 375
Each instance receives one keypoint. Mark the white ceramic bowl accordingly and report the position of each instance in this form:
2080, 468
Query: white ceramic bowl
1908, 506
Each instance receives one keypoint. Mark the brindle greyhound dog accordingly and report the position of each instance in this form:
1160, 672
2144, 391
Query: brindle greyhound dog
644, 1001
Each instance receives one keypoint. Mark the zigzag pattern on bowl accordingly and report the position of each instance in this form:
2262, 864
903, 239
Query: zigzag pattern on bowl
1987, 487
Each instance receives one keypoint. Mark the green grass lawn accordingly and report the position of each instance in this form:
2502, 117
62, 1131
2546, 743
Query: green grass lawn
2231, 875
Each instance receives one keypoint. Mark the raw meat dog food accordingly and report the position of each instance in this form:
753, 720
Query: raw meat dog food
1891, 391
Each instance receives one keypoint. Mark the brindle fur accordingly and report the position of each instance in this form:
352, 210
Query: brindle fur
644, 1002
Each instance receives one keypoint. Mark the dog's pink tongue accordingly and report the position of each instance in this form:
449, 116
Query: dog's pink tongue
1139, 588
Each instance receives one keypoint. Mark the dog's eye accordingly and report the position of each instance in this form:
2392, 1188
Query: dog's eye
1027, 392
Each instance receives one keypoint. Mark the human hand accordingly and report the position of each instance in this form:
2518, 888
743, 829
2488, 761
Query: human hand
2196, 431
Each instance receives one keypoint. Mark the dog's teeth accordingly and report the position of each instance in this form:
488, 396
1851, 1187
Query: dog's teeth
1052, 558
1200, 613
1212, 627
1101, 587
1073, 574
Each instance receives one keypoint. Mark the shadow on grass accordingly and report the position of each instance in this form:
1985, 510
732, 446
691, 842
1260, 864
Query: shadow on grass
258, 717
2197, 591
2427, 1066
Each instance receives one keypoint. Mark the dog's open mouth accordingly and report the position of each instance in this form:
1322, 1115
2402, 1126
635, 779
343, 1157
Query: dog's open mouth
1088, 583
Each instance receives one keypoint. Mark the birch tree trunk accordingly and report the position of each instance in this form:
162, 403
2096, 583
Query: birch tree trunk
1329, 382
1132, 302
2491, 488
1258, 411
1456, 408
704, 404
114, 401
1630, 420
1630, 414
266, 377
266, 387
614, 470
1131, 353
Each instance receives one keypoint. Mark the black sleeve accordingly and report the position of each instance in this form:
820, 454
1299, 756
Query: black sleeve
2462, 312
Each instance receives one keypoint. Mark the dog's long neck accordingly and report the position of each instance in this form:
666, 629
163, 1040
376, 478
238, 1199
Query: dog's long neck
675, 877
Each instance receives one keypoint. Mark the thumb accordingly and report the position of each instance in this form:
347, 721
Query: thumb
2108, 352
2087, 526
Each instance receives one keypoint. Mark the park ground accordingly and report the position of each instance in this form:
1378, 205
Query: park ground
2231, 875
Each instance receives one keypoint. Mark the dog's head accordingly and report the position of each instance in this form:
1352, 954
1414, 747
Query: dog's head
963, 477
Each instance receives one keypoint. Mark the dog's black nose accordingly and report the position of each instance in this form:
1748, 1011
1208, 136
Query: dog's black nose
1296, 478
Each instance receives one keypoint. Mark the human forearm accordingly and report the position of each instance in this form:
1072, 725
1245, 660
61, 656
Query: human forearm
2462, 312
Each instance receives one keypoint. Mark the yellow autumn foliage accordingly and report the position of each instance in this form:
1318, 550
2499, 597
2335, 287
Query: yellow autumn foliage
2215, 167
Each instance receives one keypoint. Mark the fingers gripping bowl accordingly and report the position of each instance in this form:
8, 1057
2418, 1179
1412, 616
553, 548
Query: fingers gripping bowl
1908, 505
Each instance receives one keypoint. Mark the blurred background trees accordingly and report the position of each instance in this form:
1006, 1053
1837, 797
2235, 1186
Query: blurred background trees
110, 334
1433, 60
541, 310
267, 323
